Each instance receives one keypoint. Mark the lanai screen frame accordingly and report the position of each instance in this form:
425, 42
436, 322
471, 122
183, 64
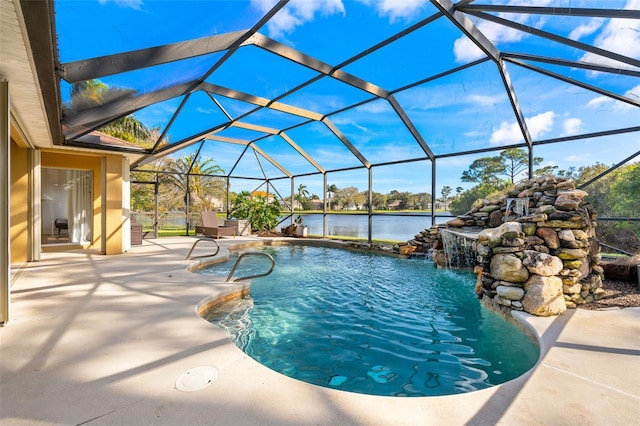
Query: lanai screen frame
79, 124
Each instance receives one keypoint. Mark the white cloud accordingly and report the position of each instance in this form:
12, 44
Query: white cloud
621, 36
344, 122
465, 50
598, 101
377, 107
541, 124
484, 100
530, 2
361, 128
131, 4
633, 94
584, 30
506, 133
296, 13
578, 158
607, 102
509, 133
399, 9
572, 126
396, 10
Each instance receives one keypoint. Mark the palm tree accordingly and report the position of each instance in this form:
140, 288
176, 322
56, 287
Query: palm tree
88, 89
130, 129
202, 185
302, 191
91, 93
303, 194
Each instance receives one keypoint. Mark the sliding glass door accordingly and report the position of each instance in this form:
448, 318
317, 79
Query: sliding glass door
66, 206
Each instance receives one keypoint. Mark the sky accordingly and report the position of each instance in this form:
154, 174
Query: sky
464, 111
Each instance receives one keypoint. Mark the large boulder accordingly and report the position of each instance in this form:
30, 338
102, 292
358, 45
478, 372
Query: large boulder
506, 230
456, 223
564, 184
510, 292
542, 263
549, 236
543, 296
508, 267
495, 218
490, 208
570, 200
572, 254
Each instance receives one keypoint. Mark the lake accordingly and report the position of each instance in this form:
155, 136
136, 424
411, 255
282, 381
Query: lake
399, 227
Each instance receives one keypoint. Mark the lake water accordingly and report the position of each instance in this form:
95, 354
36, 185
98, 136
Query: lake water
400, 227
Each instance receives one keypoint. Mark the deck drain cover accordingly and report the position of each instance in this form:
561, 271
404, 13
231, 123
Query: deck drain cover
196, 379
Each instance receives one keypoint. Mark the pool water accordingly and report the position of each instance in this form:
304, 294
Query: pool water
372, 324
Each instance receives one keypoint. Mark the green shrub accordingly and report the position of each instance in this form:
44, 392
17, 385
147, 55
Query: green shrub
257, 210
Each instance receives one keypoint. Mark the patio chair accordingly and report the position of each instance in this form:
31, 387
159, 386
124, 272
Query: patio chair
61, 224
210, 227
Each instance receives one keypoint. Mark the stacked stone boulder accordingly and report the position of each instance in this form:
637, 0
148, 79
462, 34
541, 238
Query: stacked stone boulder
541, 257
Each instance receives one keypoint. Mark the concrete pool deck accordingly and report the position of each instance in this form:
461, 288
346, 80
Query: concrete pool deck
102, 340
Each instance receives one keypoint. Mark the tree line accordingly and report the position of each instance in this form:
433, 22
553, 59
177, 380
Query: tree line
351, 198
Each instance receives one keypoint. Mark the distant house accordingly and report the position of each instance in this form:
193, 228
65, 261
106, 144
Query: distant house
286, 204
317, 204
394, 205
215, 204
264, 194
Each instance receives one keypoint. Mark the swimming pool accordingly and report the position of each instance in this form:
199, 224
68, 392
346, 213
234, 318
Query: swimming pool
372, 324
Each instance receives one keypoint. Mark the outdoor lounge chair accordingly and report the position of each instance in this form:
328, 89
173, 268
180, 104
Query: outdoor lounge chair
210, 227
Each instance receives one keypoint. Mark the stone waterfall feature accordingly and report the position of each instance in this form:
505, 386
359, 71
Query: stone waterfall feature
533, 249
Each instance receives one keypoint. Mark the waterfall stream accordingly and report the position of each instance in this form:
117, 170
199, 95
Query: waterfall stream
517, 207
459, 248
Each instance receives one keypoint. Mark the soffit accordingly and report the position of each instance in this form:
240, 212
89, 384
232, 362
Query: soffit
17, 67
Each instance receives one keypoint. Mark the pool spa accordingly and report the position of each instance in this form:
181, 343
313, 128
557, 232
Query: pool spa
370, 323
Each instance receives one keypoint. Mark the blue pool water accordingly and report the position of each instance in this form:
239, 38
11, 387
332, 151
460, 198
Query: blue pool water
372, 324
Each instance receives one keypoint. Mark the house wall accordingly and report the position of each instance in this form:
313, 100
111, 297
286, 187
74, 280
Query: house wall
113, 213
19, 187
106, 193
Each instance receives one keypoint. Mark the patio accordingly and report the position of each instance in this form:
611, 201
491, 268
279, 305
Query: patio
102, 340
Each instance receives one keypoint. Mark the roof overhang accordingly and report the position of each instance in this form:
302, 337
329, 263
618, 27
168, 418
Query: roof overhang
29, 62
27, 39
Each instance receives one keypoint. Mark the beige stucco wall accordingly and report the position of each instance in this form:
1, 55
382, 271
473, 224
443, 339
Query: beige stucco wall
113, 211
18, 203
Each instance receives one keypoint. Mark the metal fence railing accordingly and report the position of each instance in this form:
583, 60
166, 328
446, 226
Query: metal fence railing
169, 221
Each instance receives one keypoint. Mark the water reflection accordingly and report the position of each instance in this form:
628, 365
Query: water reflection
401, 227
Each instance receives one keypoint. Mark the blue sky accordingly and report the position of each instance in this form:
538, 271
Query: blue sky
464, 111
